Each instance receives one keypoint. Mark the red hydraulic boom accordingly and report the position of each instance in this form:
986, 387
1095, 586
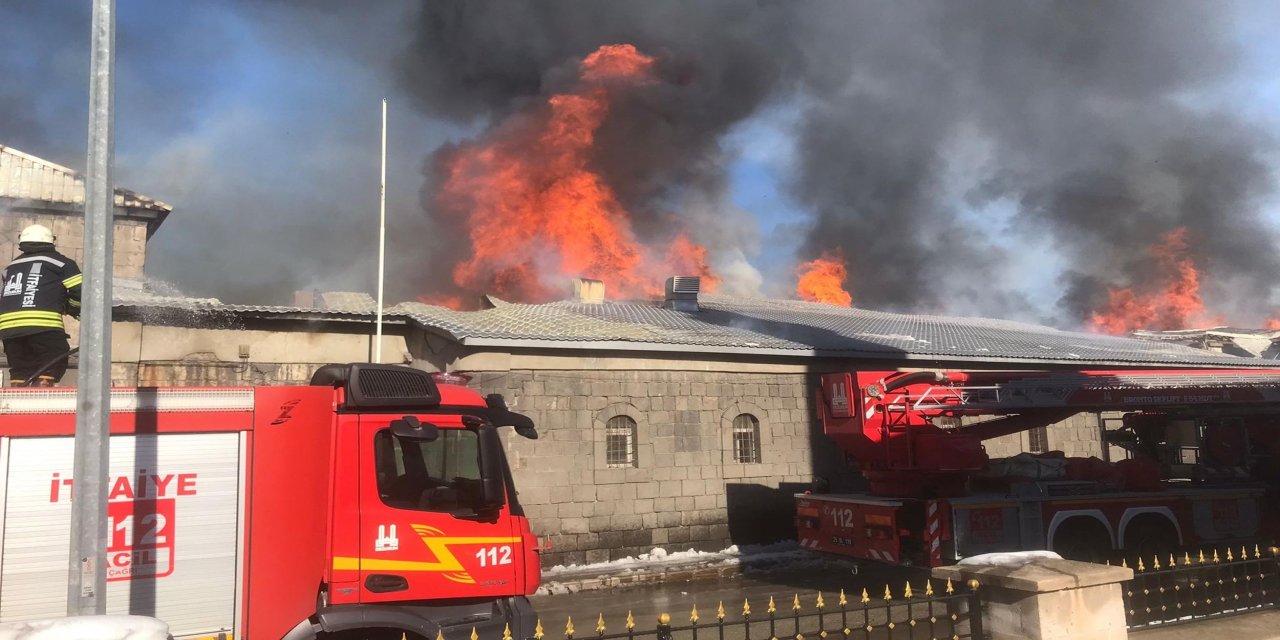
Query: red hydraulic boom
920, 433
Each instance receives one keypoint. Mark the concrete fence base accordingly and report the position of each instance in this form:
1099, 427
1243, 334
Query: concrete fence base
1043, 598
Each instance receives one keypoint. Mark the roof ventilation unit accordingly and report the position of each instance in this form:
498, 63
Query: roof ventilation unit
588, 291
682, 293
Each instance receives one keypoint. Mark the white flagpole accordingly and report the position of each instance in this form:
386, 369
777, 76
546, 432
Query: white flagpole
382, 232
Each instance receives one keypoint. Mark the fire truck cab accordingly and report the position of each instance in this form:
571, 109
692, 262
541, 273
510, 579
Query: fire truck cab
373, 502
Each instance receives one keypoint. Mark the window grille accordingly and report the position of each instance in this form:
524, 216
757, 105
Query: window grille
620, 442
1038, 440
746, 439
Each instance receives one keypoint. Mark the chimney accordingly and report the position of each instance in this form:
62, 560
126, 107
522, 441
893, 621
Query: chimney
588, 291
682, 293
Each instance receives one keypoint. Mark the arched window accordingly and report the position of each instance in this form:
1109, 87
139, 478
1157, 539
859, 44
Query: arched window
620, 442
746, 439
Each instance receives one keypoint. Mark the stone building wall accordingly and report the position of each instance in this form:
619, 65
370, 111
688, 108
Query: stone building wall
686, 489
1076, 437
130, 242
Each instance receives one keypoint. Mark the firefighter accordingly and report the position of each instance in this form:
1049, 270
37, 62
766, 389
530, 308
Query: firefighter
39, 287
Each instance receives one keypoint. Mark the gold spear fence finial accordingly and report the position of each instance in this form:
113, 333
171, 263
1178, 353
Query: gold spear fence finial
1140, 565
865, 597
795, 603
1229, 558
1155, 563
1215, 556
928, 588
820, 604
600, 624
950, 589
888, 595
907, 592
631, 621
474, 635
537, 631
1186, 558
771, 609
1202, 560
568, 627
720, 611
693, 615
1173, 562
843, 599
746, 608
439, 634
506, 631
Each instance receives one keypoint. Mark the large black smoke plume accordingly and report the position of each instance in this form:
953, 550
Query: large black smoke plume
1079, 119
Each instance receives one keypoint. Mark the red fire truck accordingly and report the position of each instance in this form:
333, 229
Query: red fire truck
1200, 447
373, 502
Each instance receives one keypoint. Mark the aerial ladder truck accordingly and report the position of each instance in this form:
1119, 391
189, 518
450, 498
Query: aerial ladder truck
1200, 467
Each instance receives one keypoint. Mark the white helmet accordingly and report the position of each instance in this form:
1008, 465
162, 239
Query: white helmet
36, 233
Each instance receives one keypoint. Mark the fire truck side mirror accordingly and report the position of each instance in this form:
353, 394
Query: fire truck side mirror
493, 492
501, 416
410, 428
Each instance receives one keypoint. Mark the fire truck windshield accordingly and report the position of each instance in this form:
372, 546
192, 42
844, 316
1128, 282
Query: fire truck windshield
442, 475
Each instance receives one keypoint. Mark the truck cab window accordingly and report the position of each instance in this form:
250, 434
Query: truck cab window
442, 475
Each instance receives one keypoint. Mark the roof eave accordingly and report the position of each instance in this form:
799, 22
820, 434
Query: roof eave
620, 345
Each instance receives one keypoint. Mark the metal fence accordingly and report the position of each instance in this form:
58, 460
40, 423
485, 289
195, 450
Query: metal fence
911, 615
1194, 588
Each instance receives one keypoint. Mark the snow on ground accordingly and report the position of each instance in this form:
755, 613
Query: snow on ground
659, 557
87, 628
1008, 559
575, 577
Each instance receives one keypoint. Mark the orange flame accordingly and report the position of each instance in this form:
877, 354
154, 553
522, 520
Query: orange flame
1272, 324
822, 280
1174, 306
537, 214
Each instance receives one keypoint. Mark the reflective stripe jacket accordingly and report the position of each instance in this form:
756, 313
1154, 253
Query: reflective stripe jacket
39, 286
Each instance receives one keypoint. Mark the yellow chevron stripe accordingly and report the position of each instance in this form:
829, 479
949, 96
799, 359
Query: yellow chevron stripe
73, 281
445, 560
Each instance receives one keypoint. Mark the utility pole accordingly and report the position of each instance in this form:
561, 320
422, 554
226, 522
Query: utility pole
87, 575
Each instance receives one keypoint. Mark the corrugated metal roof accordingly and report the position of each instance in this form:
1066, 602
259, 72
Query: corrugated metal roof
26, 177
786, 327
348, 301
743, 326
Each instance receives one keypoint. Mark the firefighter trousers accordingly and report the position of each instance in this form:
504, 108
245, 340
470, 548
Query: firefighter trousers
27, 354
